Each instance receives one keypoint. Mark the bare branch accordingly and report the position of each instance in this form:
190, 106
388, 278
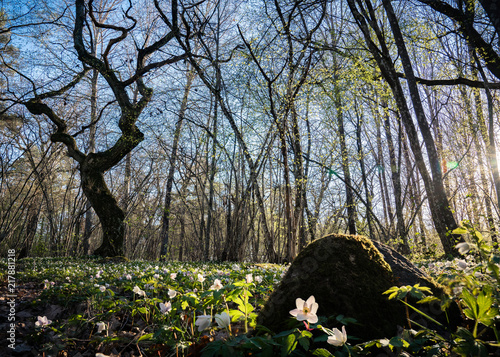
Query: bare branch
452, 82
85, 127
124, 31
64, 89
37, 107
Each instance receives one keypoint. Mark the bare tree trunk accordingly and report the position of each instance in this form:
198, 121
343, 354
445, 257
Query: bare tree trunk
415, 195
491, 144
165, 226
211, 190
474, 129
300, 185
271, 252
440, 209
87, 232
32, 218
443, 216
386, 203
106, 207
310, 225
396, 182
361, 159
351, 206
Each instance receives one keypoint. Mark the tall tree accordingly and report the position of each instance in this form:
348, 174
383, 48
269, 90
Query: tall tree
166, 216
284, 82
366, 18
92, 166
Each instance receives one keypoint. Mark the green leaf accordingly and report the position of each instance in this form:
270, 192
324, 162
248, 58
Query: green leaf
322, 353
212, 349
398, 342
236, 314
422, 313
427, 300
289, 345
392, 291
470, 301
305, 339
468, 346
147, 336
346, 320
284, 333
305, 343
246, 308
238, 301
460, 230
479, 236
486, 314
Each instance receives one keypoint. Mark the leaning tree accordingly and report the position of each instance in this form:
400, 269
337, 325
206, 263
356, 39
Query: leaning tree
146, 48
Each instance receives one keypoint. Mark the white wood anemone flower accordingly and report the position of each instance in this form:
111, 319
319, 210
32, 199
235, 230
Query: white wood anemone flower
463, 247
165, 308
217, 285
223, 320
101, 326
172, 293
336, 337
139, 291
42, 321
203, 321
306, 310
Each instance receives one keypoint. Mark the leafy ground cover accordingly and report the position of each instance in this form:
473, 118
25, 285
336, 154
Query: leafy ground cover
90, 307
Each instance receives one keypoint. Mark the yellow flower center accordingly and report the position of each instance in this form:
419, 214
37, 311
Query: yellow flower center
306, 310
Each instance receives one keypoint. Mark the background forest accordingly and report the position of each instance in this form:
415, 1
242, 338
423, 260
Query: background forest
242, 130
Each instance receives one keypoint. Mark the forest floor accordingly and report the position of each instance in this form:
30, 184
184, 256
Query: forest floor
71, 307
76, 296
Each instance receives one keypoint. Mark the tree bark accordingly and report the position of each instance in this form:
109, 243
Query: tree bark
165, 225
491, 144
474, 129
401, 233
94, 165
344, 154
87, 232
438, 202
253, 167
364, 177
386, 203
443, 216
